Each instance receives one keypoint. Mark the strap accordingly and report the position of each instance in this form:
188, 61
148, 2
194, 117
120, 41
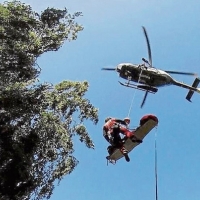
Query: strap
134, 95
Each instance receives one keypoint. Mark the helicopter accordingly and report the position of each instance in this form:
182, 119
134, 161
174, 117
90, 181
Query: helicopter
147, 78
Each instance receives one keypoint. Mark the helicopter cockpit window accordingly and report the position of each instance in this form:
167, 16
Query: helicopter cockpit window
119, 67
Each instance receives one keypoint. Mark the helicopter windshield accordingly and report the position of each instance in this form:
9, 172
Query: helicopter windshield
119, 67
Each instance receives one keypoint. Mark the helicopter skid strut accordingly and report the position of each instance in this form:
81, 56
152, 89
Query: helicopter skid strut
152, 90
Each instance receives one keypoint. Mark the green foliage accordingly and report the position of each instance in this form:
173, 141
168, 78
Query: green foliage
37, 121
43, 32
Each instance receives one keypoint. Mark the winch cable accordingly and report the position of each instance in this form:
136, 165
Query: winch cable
156, 170
155, 145
129, 112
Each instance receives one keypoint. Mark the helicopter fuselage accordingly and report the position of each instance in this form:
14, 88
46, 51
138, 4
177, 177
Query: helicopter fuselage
144, 74
148, 78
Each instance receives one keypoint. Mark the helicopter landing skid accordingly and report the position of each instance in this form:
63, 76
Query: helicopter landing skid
140, 87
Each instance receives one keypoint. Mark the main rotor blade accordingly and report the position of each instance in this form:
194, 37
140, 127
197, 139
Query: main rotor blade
182, 73
144, 99
148, 45
109, 69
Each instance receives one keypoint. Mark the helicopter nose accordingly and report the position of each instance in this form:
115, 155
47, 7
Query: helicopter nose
118, 68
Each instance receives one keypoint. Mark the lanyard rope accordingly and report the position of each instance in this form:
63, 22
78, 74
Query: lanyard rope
134, 95
156, 171
131, 104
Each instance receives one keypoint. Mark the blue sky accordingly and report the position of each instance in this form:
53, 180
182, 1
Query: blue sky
112, 34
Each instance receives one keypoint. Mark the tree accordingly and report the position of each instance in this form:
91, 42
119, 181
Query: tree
37, 121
